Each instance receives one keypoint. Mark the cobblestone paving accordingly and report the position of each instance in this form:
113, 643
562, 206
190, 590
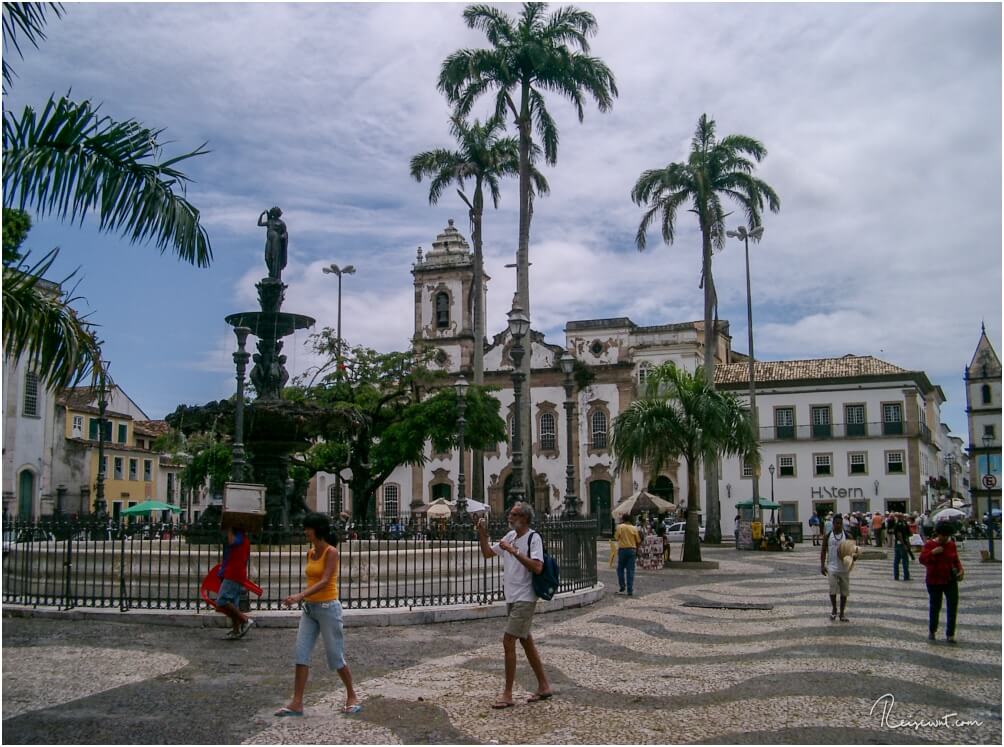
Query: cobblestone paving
628, 670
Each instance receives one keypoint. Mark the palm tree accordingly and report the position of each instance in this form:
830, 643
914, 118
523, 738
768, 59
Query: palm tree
529, 55
485, 157
681, 415
715, 169
67, 161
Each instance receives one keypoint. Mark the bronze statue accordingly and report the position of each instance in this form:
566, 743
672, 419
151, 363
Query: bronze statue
276, 241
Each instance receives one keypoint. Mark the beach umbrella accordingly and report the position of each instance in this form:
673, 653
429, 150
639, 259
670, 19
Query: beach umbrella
949, 514
641, 502
147, 507
440, 509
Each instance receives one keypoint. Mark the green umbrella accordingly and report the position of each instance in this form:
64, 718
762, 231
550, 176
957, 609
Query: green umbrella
764, 503
147, 507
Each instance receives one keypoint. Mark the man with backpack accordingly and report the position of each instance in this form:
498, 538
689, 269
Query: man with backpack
522, 553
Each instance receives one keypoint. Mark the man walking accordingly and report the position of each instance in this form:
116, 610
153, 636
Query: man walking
878, 524
628, 542
234, 572
902, 552
831, 565
522, 552
814, 528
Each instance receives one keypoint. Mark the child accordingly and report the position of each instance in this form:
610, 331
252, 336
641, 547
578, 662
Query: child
234, 572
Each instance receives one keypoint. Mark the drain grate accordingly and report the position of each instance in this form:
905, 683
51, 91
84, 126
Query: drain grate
729, 605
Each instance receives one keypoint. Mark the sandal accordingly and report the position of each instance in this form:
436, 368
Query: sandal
284, 712
844, 620
833, 617
500, 704
354, 708
537, 697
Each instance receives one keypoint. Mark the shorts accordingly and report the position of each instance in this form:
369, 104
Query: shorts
520, 617
840, 583
230, 593
322, 619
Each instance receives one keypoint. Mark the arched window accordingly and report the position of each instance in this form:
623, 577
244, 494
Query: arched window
662, 486
30, 394
987, 396
599, 424
442, 310
334, 500
548, 432
391, 501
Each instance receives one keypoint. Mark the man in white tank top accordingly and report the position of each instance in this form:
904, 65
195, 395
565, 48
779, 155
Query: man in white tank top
830, 565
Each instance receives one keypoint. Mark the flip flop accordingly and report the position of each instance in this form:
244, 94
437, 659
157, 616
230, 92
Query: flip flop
845, 619
284, 712
500, 704
349, 710
537, 697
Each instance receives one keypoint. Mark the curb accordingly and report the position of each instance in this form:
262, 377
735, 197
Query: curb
355, 618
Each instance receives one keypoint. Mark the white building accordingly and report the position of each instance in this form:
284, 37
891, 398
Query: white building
983, 406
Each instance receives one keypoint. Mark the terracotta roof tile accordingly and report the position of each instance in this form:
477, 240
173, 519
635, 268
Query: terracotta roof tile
151, 427
847, 367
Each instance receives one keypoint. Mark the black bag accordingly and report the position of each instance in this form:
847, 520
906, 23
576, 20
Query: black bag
545, 583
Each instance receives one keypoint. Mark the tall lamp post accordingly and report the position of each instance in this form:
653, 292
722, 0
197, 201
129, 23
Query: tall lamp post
988, 481
519, 325
743, 235
241, 358
461, 388
100, 507
334, 269
567, 363
950, 464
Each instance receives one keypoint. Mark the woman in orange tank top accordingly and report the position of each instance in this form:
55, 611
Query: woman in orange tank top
322, 615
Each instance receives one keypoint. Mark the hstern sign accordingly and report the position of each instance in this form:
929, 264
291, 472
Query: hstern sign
821, 493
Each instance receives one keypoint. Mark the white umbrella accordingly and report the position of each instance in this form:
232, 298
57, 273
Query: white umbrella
642, 501
949, 514
440, 509
476, 507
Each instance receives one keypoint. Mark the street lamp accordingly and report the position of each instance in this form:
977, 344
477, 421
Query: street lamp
771, 470
461, 388
519, 325
988, 442
241, 358
756, 234
950, 464
100, 508
567, 363
334, 269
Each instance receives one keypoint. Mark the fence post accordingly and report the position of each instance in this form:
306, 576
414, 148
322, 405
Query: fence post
123, 603
69, 602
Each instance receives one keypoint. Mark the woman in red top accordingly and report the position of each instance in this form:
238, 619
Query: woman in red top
944, 571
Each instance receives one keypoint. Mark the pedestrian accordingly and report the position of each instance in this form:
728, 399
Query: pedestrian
944, 571
322, 615
902, 552
832, 566
737, 529
522, 552
814, 528
828, 524
234, 572
878, 525
628, 542
890, 522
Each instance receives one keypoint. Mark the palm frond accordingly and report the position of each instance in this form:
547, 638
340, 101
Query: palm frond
26, 20
545, 126
569, 25
496, 25
68, 160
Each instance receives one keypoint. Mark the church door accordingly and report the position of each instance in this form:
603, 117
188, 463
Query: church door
26, 495
662, 487
599, 504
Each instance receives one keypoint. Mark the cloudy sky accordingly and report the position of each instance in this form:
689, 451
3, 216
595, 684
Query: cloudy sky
882, 123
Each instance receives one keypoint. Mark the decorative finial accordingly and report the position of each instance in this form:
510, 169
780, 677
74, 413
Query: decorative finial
419, 260
983, 326
450, 222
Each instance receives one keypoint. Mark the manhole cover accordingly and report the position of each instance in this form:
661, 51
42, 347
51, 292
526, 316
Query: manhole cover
729, 606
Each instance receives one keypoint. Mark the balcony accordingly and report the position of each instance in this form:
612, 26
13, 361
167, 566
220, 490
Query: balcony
842, 430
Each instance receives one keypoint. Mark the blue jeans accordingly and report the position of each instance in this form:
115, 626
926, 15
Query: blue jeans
625, 567
230, 593
901, 554
321, 619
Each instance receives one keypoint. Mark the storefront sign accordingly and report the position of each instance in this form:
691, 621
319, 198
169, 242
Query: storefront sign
822, 493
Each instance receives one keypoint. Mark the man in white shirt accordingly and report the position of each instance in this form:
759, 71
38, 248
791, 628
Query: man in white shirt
522, 552
831, 565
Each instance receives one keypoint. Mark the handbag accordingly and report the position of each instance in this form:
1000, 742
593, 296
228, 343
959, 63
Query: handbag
956, 576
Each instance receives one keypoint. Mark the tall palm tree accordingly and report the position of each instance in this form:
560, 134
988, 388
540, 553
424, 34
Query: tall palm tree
483, 156
715, 169
67, 161
682, 415
529, 55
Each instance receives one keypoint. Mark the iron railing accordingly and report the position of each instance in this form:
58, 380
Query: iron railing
384, 565
825, 431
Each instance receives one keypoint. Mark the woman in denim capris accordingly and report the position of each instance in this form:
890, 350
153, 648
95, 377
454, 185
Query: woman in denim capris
322, 615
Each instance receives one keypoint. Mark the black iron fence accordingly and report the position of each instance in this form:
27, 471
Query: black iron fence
383, 565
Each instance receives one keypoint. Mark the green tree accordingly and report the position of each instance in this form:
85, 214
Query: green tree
530, 55
67, 161
682, 415
485, 157
715, 169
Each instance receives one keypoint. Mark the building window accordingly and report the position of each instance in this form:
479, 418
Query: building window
784, 422
170, 487
30, 394
987, 395
988, 431
391, 501
892, 419
441, 490
789, 512
78, 426
823, 465
442, 310
599, 423
147, 470
548, 434
118, 468
786, 465
643, 371
857, 463
123, 431
854, 418
133, 469
747, 470
860, 506
334, 500
821, 427
894, 462
92, 429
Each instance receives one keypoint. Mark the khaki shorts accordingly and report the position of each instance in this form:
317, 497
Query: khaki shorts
520, 617
840, 583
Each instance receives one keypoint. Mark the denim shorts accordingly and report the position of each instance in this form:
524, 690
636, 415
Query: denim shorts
322, 619
230, 593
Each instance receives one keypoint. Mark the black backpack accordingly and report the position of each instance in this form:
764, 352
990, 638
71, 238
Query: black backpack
545, 583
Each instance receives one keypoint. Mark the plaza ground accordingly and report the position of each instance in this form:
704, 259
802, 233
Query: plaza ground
646, 669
